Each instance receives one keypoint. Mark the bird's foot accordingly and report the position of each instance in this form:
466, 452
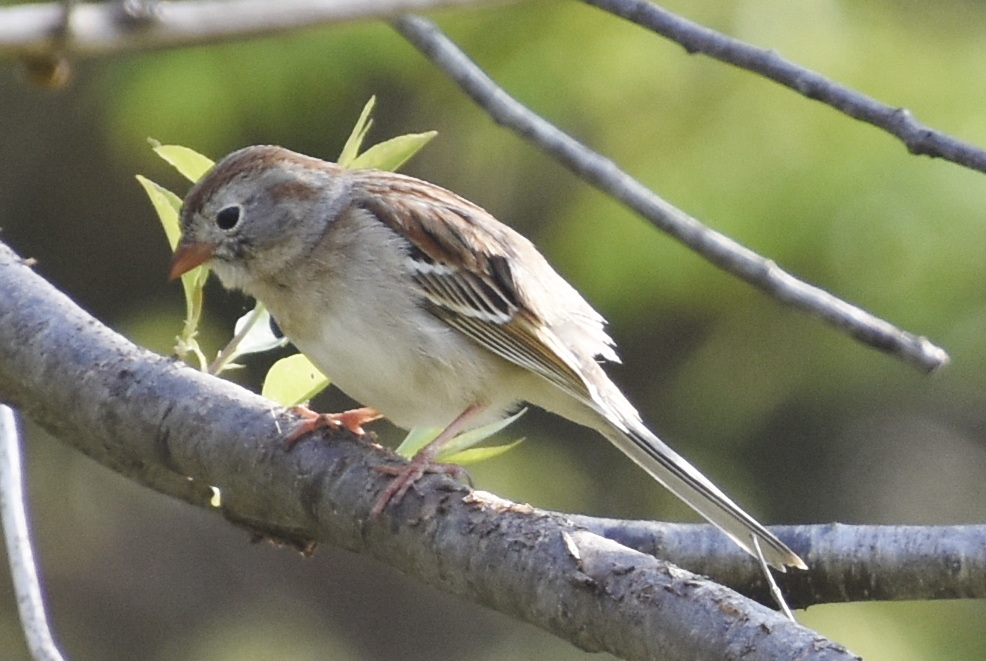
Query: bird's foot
352, 420
405, 477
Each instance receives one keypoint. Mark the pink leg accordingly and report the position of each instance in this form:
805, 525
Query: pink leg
353, 420
423, 462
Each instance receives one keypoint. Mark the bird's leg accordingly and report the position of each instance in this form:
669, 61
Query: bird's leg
353, 420
423, 462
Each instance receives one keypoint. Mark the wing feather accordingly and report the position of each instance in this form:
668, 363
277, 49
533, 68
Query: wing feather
460, 258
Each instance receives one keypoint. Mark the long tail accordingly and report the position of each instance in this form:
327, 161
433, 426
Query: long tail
684, 480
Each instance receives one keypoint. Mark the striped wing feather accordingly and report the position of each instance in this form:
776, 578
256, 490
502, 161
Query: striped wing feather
461, 260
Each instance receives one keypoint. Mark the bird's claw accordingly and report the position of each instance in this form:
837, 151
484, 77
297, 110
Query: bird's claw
407, 475
351, 420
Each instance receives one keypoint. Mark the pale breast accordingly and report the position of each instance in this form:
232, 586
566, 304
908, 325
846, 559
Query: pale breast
353, 311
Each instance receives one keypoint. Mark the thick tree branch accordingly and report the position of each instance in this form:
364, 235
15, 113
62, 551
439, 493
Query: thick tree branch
99, 29
711, 245
695, 38
182, 432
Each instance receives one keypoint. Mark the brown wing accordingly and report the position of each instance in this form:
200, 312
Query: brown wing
464, 261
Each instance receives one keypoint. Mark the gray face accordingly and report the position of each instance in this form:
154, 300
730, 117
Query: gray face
260, 208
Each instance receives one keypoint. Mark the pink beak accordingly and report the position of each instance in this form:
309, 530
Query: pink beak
188, 256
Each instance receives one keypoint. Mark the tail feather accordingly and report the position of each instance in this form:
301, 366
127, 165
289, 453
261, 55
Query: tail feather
684, 480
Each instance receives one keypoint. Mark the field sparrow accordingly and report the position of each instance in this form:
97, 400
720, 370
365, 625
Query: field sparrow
423, 306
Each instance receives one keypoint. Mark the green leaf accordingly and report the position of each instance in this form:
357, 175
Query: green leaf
475, 455
479, 434
251, 334
258, 336
418, 438
293, 380
392, 154
167, 205
193, 284
189, 163
355, 141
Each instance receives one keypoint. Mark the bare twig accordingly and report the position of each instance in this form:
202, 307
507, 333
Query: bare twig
16, 534
105, 28
606, 175
848, 563
43, 31
694, 38
164, 424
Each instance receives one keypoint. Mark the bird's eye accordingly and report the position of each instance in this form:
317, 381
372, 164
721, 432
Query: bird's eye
227, 218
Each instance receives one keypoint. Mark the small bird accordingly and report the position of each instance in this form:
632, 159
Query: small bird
423, 307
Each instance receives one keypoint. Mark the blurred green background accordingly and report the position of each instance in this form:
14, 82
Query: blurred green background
799, 423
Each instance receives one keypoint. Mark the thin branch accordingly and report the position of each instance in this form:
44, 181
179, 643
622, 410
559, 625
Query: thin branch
17, 536
695, 38
165, 424
606, 175
40, 30
848, 563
